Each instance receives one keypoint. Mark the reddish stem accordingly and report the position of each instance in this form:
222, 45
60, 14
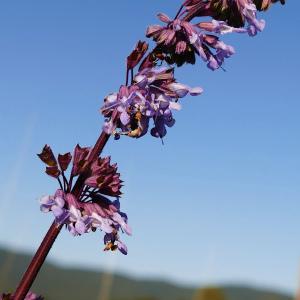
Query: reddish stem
37, 261
50, 237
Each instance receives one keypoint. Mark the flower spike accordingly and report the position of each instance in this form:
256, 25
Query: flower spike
93, 209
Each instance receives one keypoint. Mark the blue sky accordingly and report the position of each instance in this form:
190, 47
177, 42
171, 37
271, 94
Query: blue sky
218, 203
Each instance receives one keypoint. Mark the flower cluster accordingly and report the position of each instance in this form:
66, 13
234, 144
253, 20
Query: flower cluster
180, 41
99, 173
235, 13
29, 296
92, 209
83, 217
153, 94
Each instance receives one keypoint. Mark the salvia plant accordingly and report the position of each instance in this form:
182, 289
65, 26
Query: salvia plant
89, 186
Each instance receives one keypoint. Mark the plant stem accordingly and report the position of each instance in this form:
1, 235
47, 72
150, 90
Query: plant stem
37, 262
50, 237
179, 11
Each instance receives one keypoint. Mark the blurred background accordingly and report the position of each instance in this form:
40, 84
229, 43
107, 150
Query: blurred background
214, 211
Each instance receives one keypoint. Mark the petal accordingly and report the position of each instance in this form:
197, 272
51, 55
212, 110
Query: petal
109, 127
174, 105
180, 47
80, 227
170, 34
72, 230
117, 218
213, 63
108, 237
63, 217
153, 29
193, 38
196, 91
60, 201
164, 18
59, 193
47, 200
170, 122
75, 213
107, 228
122, 247
71, 200
124, 118
57, 211
111, 98
141, 80
127, 229
180, 89
45, 208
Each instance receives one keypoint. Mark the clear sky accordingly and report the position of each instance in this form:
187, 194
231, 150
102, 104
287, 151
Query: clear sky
218, 203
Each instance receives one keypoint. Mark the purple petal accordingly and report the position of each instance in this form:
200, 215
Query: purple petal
45, 208
180, 89
57, 211
122, 247
108, 237
63, 217
124, 118
213, 63
47, 200
80, 227
174, 105
196, 91
153, 29
72, 230
164, 18
59, 193
104, 226
60, 201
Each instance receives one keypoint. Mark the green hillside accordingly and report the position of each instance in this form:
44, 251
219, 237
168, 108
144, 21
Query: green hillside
57, 283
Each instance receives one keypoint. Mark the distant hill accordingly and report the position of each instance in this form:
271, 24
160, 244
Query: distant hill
57, 283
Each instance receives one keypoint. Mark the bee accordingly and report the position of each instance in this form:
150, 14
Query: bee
138, 126
110, 246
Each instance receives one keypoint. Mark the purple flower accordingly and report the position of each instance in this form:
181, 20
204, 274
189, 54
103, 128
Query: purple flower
56, 205
98, 205
121, 221
254, 25
122, 247
46, 203
82, 217
154, 94
235, 13
180, 41
78, 223
219, 27
112, 242
174, 40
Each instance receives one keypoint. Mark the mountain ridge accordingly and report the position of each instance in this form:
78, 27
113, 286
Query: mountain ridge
63, 283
